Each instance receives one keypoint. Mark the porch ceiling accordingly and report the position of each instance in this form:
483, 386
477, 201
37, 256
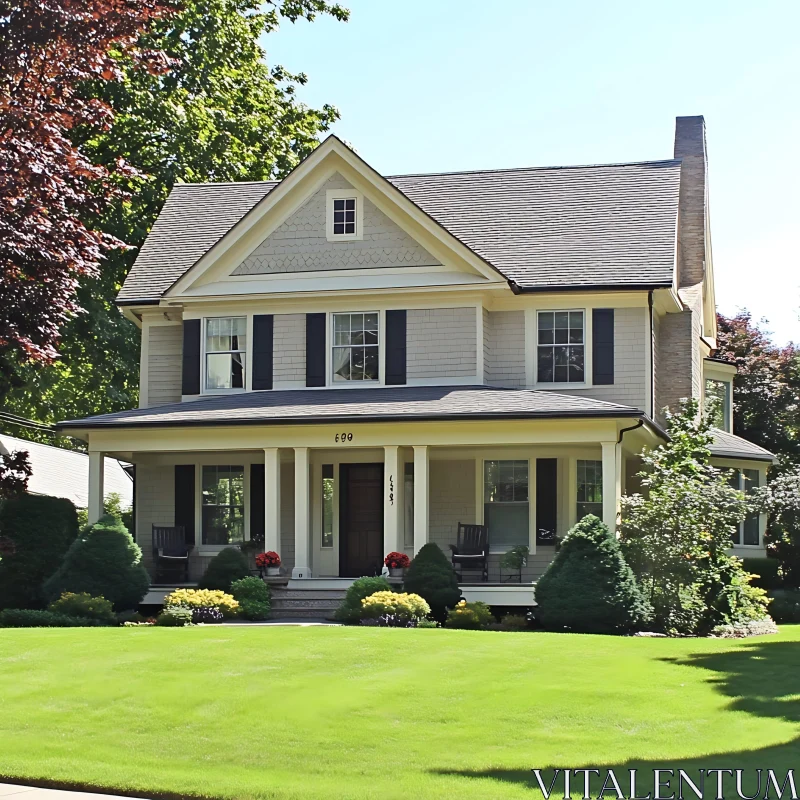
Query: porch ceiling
395, 404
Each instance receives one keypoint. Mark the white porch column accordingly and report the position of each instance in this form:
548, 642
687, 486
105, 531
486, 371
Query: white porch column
420, 496
612, 483
392, 500
302, 513
272, 499
96, 489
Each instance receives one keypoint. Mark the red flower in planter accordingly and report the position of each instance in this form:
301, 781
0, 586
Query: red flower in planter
268, 559
397, 560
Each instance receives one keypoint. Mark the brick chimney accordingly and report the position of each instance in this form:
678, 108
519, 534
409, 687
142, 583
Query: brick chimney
690, 148
679, 355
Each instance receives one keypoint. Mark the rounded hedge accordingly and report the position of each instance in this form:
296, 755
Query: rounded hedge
350, 609
103, 561
589, 587
39, 529
253, 596
227, 566
433, 578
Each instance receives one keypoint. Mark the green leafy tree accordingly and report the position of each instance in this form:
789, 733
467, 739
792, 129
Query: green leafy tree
220, 113
676, 536
588, 586
780, 498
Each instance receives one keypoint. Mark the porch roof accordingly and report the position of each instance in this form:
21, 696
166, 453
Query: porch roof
395, 404
727, 445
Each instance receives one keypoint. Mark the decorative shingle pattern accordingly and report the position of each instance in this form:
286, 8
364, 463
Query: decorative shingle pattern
340, 405
609, 225
726, 445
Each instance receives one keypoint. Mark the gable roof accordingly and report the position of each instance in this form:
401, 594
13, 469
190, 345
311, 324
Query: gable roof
392, 404
555, 227
58, 472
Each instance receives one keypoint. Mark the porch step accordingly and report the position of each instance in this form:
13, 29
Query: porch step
301, 613
309, 594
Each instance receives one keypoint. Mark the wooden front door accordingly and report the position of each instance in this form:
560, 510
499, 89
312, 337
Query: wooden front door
361, 520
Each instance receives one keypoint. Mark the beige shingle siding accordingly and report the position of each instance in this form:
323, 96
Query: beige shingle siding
442, 343
504, 338
165, 348
452, 499
289, 350
155, 504
300, 244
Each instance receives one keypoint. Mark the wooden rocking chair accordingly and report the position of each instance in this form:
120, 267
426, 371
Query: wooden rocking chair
170, 550
471, 550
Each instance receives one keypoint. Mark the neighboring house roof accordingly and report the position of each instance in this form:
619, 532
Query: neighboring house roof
726, 445
608, 225
397, 403
65, 473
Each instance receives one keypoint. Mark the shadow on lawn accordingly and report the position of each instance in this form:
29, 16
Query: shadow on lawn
761, 678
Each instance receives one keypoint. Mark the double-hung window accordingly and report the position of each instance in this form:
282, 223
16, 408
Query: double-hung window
355, 350
745, 480
719, 393
505, 503
590, 489
226, 346
223, 504
560, 347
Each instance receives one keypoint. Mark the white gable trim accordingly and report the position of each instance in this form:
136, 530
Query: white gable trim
289, 196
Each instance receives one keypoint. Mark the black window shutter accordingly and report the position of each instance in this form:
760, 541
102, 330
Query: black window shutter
603, 346
184, 499
257, 522
395, 347
262, 351
190, 379
315, 349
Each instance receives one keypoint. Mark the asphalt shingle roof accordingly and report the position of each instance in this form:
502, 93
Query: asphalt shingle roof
726, 445
401, 404
605, 225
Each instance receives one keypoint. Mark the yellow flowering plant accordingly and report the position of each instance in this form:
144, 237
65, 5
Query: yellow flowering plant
395, 608
203, 598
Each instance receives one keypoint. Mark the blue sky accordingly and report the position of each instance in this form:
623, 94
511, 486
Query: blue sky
454, 84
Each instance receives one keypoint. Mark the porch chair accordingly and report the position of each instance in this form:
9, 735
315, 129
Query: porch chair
471, 550
170, 550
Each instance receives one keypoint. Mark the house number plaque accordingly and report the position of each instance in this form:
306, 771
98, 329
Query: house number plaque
340, 438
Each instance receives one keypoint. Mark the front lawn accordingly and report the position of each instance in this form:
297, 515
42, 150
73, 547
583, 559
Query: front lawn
367, 712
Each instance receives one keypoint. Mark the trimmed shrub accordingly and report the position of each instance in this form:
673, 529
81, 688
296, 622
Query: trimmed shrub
514, 622
226, 567
427, 623
350, 608
766, 572
785, 606
206, 616
39, 530
253, 596
589, 586
175, 617
84, 605
202, 598
432, 577
38, 618
103, 561
469, 616
394, 609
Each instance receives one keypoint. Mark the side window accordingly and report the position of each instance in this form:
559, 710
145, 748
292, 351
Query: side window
225, 350
560, 347
590, 489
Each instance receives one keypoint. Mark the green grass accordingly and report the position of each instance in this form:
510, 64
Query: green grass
356, 713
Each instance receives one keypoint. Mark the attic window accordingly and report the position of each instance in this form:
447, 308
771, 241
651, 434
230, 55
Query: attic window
344, 216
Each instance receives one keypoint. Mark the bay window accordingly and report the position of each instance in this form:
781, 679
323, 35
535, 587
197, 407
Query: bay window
748, 532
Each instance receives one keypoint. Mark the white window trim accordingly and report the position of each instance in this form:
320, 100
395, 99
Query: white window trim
330, 383
344, 194
247, 354
213, 549
480, 471
742, 488
587, 350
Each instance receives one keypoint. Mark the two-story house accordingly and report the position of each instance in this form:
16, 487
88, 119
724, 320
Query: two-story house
344, 364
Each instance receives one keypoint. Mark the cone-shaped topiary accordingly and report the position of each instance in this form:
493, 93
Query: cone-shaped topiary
589, 587
105, 562
36, 531
227, 566
433, 578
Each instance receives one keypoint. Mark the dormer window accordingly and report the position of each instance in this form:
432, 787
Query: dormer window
345, 215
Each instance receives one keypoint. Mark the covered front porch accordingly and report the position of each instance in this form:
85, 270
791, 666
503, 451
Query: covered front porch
332, 500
